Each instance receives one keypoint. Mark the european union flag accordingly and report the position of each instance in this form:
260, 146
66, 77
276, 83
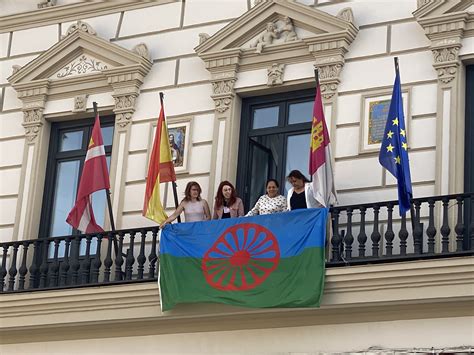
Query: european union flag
394, 150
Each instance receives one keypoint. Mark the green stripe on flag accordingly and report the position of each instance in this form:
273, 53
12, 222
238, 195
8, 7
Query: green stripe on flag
298, 281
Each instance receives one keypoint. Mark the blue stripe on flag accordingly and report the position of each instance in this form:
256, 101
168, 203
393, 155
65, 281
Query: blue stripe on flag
294, 231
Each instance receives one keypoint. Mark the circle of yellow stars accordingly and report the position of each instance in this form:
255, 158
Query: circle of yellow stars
390, 134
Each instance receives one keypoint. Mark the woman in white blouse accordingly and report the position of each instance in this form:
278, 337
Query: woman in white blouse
272, 202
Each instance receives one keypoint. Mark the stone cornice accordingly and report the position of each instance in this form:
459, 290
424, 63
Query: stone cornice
56, 14
453, 23
410, 290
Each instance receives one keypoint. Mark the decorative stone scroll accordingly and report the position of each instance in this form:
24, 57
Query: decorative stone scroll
446, 60
82, 65
124, 108
81, 26
223, 90
32, 122
346, 14
275, 74
142, 50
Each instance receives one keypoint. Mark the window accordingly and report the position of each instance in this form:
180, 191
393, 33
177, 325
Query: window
469, 152
274, 139
67, 150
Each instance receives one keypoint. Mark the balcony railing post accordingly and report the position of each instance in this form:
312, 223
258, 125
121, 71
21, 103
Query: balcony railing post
97, 263
362, 237
44, 268
459, 228
152, 258
418, 230
403, 235
34, 265
130, 259
75, 264
375, 236
141, 259
86, 261
23, 269
389, 235
119, 259
445, 230
108, 257
336, 238
431, 230
349, 239
64, 268
53, 280
13, 269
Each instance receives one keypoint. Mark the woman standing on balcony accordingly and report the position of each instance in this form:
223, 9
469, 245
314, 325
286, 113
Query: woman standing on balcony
271, 202
301, 194
194, 207
227, 204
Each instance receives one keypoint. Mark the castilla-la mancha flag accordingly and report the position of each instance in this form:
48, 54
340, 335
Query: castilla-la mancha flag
320, 163
160, 169
95, 177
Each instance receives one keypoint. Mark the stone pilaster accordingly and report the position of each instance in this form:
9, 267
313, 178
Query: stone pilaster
446, 33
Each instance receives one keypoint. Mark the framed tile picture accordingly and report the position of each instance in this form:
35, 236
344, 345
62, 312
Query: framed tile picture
374, 114
179, 137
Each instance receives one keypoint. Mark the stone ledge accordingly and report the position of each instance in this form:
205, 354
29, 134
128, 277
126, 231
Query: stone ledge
409, 290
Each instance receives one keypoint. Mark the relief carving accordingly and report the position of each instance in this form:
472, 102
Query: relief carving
445, 54
266, 38
223, 104
81, 26
32, 122
223, 86
275, 74
288, 31
124, 109
142, 50
15, 68
82, 65
80, 103
46, 3
284, 34
329, 71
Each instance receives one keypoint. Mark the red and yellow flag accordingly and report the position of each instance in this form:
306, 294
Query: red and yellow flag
160, 169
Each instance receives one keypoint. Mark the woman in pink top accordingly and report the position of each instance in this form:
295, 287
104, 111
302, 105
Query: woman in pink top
194, 207
227, 204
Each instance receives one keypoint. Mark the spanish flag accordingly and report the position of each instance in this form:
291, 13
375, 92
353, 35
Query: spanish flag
160, 169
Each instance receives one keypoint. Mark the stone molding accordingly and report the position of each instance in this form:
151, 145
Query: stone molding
71, 12
80, 26
440, 288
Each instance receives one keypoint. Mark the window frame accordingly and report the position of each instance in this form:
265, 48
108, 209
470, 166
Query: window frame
283, 100
55, 156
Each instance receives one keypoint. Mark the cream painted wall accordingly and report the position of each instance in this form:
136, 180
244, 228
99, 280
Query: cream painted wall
171, 34
434, 334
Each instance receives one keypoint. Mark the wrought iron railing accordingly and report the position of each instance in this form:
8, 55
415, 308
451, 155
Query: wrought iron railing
442, 226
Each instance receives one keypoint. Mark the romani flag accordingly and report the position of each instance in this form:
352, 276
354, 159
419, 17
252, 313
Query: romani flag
160, 169
264, 261
320, 163
95, 177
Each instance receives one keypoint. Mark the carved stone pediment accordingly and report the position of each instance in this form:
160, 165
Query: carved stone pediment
80, 63
80, 52
278, 26
286, 31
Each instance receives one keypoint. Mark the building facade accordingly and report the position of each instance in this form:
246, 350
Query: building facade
238, 84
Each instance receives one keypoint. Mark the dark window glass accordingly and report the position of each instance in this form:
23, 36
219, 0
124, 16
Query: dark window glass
265, 117
300, 112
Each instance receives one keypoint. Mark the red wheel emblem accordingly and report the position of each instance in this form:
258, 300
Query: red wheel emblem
241, 258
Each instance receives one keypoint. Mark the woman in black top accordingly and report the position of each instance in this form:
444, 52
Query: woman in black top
301, 194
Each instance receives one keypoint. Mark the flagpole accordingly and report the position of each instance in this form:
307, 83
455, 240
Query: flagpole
173, 183
412, 209
107, 191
